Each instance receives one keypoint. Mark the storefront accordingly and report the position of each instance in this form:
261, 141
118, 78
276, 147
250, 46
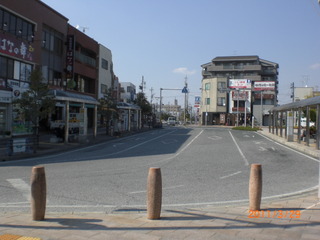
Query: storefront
75, 113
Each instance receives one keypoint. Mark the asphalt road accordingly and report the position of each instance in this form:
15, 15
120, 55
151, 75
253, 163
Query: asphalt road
200, 166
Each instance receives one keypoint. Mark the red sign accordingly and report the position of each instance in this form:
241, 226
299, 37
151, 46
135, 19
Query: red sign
263, 85
16, 47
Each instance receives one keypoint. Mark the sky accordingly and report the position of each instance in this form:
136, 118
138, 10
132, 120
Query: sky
166, 41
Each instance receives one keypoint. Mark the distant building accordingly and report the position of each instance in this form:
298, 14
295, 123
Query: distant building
127, 92
233, 87
106, 76
301, 93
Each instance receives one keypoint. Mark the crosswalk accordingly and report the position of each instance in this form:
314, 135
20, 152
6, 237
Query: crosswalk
21, 186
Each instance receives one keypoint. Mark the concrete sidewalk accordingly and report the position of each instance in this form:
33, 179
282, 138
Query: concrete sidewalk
292, 218
295, 217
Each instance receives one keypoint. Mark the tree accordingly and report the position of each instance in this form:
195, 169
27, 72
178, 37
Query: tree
35, 104
143, 103
108, 109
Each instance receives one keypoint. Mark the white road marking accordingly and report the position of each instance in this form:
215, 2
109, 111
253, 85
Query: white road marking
307, 156
230, 175
215, 138
21, 186
241, 153
262, 149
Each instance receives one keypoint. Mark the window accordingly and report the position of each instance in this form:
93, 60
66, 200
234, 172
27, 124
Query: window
221, 101
207, 101
104, 64
16, 25
207, 86
221, 85
104, 89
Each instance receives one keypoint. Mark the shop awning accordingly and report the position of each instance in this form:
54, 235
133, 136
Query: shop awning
73, 97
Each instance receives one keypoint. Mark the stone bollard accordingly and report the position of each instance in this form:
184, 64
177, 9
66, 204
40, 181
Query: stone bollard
255, 187
154, 193
38, 193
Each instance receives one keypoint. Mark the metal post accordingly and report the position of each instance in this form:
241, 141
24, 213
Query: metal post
261, 99
245, 110
238, 107
160, 103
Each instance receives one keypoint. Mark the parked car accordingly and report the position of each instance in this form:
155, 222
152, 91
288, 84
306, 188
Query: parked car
304, 122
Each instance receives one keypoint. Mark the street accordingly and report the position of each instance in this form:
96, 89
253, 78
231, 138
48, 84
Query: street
200, 167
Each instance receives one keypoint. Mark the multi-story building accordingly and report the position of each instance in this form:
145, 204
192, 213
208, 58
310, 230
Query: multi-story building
106, 76
66, 56
237, 88
128, 92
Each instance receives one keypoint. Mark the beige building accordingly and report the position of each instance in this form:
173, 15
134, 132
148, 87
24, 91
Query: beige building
223, 103
214, 99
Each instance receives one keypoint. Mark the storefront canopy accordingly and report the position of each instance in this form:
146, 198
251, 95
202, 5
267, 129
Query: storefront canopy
73, 97
123, 105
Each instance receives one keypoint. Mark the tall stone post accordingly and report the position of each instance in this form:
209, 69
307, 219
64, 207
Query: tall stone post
154, 193
38, 193
255, 187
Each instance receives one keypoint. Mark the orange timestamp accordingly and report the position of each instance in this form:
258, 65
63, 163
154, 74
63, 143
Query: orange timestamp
274, 214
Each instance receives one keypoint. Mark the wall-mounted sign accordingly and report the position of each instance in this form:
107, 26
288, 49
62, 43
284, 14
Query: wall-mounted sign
70, 56
240, 95
240, 83
15, 47
264, 85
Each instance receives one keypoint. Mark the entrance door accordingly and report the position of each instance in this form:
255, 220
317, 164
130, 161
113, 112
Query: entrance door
2, 120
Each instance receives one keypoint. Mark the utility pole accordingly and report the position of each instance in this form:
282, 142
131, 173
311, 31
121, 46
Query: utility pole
292, 91
143, 84
185, 98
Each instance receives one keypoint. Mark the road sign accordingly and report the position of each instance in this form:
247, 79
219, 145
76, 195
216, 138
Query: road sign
184, 90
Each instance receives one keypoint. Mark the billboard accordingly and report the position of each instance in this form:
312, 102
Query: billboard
264, 85
240, 83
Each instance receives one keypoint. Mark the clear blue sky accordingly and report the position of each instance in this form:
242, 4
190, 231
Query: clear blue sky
166, 40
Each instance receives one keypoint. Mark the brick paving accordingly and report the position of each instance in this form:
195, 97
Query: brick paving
294, 217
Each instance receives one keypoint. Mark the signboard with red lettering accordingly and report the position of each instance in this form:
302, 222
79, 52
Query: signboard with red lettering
240, 83
264, 85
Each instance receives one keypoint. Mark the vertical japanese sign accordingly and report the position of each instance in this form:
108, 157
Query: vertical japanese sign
70, 56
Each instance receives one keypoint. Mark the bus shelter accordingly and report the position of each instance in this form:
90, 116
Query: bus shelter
285, 121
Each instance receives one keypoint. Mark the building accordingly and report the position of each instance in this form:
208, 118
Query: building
301, 93
66, 56
237, 89
106, 76
28, 40
128, 92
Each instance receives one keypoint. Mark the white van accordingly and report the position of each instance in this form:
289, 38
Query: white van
304, 122
171, 121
